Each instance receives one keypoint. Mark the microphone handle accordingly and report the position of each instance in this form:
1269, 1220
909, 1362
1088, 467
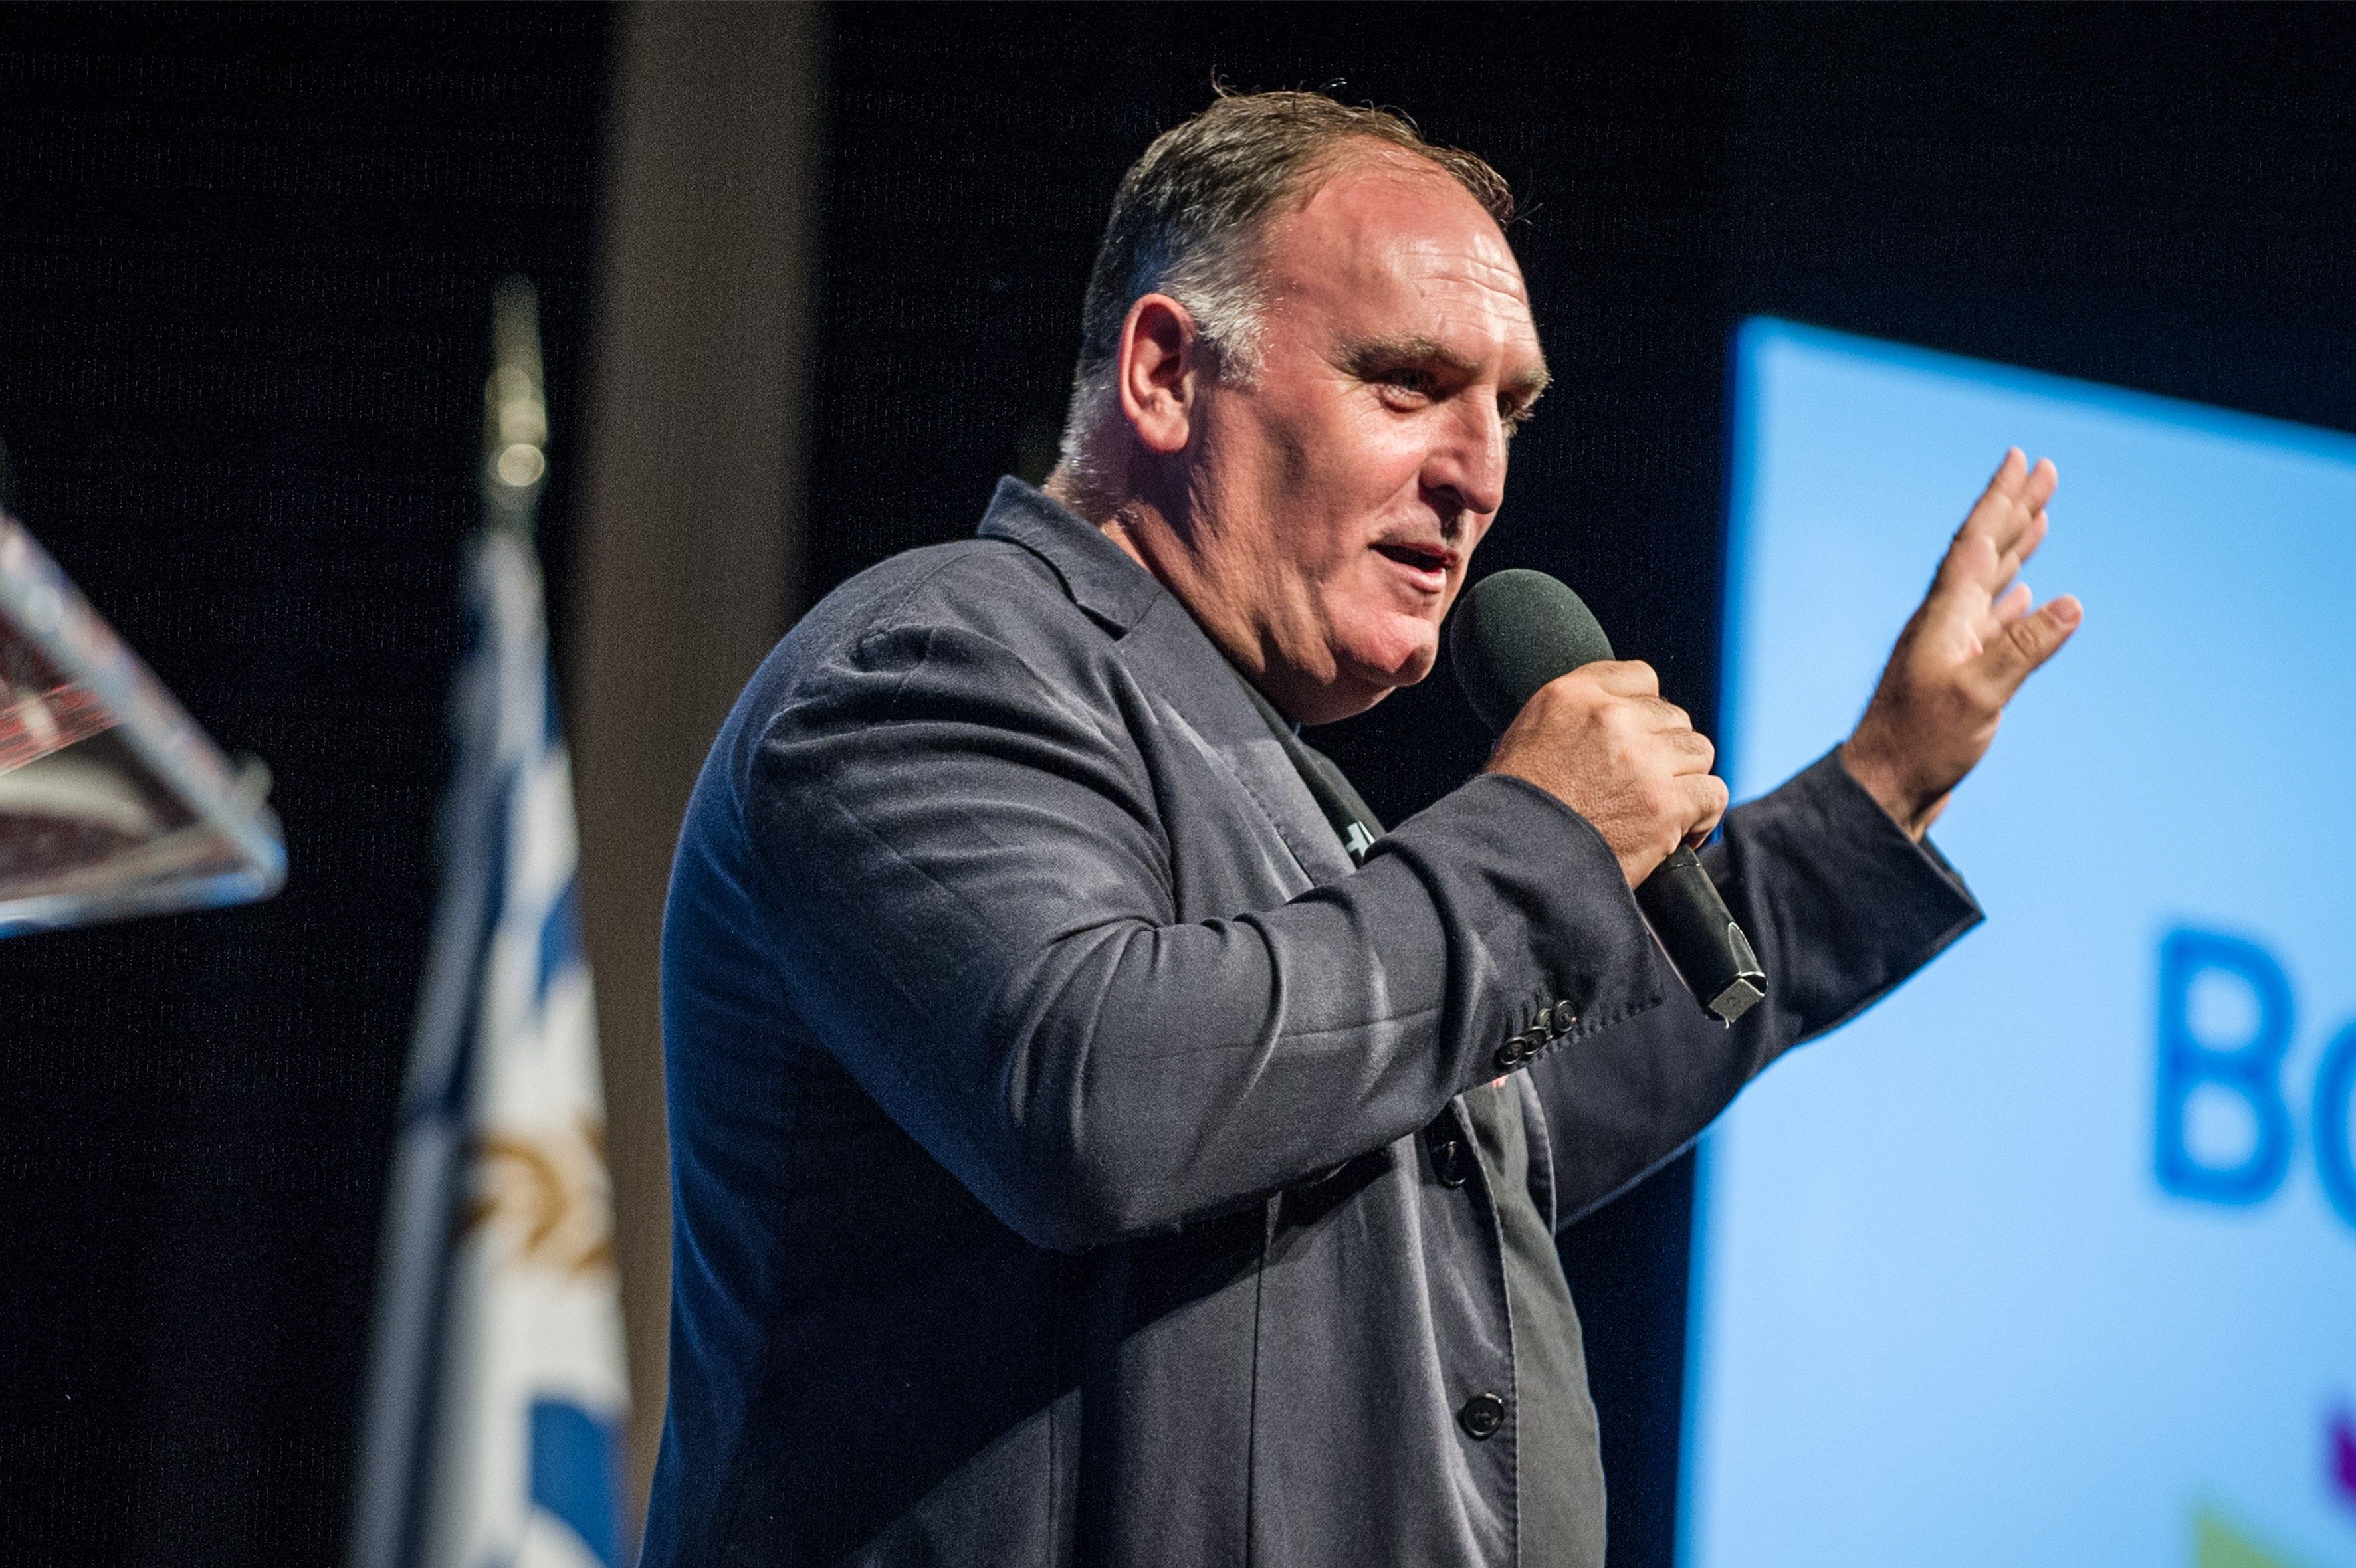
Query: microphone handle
1691, 922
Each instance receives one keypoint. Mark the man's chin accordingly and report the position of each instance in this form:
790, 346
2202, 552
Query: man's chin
1407, 655
1355, 687
1398, 650
1396, 667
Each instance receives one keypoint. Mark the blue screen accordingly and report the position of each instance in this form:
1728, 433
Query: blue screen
2050, 1258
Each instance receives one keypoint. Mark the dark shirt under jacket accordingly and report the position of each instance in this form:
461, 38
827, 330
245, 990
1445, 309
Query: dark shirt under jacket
1074, 1153
1558, 1476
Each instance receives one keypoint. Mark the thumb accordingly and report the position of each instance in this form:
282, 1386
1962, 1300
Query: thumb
2028, 641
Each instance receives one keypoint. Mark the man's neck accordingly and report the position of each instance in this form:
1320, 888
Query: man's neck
1147, 536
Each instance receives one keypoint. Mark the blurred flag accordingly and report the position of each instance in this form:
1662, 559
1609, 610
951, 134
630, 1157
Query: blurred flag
497, 1396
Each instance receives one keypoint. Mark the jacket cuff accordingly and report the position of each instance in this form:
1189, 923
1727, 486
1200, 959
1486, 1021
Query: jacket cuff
1564, 953
1821, 856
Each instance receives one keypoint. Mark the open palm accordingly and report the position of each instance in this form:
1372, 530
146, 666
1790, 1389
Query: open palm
1963, 653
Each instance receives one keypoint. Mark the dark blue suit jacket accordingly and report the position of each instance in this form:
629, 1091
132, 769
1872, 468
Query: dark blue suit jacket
1045, 1087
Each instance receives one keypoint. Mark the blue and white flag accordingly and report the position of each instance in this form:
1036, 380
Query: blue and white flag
497, 1395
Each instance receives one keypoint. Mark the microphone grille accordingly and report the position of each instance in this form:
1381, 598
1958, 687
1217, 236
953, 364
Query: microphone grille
1514, 631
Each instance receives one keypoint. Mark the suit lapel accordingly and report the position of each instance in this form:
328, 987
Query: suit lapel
1198, 693
1203, 693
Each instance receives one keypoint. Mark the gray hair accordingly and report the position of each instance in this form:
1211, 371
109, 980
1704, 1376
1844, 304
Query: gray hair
1188, 218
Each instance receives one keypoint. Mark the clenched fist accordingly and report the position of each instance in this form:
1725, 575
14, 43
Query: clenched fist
1601, 740
1964, 655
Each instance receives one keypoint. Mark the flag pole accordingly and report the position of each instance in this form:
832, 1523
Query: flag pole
515, 413
497, 1386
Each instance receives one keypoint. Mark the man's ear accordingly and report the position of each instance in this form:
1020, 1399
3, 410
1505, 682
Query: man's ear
1161, 357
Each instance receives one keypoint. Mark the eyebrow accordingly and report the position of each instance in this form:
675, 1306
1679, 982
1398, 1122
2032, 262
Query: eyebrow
1369, 356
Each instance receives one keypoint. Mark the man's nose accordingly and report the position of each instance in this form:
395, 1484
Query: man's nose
1469, 463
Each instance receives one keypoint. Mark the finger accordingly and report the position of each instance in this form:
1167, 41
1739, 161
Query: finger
1705, 794
1691, 752
2022, 515
1663, 714
2040, 486
2015, 603
2040, 525
1978, 556
2028, 643
1972, 568
2006, 577
1987, 512
2024, 540
2003, 510
2009, 473
1981, 563
1623, 677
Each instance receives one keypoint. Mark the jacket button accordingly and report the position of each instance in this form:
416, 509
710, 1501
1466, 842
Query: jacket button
1564, 1020
1448, 1162
1509, 1055
1482, 1415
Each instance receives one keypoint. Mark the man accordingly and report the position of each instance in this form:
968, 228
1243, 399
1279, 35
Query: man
1081, 1155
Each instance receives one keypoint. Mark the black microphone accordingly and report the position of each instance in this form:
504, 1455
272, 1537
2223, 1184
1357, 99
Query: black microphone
1517, 630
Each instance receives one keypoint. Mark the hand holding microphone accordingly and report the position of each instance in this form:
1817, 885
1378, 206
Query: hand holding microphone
1602, 742
1594, 732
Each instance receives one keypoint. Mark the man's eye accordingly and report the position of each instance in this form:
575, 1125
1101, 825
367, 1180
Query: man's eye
1415, 381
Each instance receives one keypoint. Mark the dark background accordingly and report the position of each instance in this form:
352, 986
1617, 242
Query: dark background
245, 258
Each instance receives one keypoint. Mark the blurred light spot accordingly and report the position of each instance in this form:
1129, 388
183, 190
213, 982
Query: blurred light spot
520, 465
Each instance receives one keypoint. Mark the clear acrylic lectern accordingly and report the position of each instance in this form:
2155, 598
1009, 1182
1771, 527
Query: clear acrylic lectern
112, 803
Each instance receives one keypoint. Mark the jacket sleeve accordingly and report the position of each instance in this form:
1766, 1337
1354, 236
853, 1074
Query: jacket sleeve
973, 886
1840, 905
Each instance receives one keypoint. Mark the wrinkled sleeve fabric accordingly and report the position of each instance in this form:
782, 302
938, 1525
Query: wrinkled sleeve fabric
972, 880
1840, 904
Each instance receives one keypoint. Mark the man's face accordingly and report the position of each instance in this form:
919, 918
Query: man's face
1335, 502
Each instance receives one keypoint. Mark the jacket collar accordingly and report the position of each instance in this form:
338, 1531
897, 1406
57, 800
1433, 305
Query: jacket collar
1100, 576
1162, 643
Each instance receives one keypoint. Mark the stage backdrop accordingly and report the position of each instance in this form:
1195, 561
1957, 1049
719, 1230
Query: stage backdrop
2050, 1257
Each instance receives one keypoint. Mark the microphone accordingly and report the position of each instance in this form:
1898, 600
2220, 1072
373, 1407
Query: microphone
1517, 630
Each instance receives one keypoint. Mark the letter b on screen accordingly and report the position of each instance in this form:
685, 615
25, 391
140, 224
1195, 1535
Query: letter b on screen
2246, 1065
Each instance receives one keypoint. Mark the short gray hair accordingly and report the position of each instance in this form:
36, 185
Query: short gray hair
1187, 220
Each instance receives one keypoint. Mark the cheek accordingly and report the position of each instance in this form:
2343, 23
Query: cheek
1354, 456
1381, 457
1348, 506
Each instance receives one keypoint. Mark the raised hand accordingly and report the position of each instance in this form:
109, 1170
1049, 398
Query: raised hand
1963, 653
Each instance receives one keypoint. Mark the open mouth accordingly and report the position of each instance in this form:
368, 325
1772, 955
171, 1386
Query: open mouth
1427, 564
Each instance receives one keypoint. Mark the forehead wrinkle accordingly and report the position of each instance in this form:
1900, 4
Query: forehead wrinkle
1341, 199
1343, 247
